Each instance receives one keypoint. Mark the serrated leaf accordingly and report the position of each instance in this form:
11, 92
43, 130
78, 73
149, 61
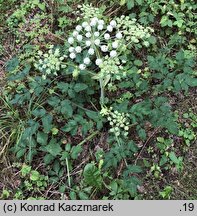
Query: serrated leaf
75, 151
47, 123
54, 148
42, 138
92, 175
66, 108
80, 87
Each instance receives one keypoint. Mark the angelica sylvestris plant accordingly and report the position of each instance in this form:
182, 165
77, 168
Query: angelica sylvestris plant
50, 62
98, 44
119, 122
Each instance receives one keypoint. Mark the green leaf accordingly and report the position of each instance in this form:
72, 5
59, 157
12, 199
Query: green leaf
80, 87
63, 87
34, 176
75, 151
47, 123
130, 4
174, 158
92, 175
138, 62
42, 138
83, 196
66, 108
54, 148
12, 64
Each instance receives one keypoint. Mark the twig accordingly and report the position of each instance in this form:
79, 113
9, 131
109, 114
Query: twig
149, 138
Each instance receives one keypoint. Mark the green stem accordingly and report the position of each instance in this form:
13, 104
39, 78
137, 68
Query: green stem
89, 137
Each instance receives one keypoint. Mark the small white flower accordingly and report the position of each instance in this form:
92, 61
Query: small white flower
113, 53
91, 51
109, 28
88, 28
107, 36
70, 40
96, 34
97, 42
71, 49
98, 61
100, 27
88, 43
84, 24
86, 61
75, 33
119, 35
78, 49
61, 58
72, 55
104, 48
113, 23
88, 35
78, 28
93, 21
101, 22
79, 37
115, 44
82, 66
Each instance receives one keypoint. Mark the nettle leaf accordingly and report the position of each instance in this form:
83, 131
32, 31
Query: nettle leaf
54, 148
132, 169
92, 175
66, 108
47, 123
63, 87
75, 151
42, 138
80, 87
12, 64
39, 112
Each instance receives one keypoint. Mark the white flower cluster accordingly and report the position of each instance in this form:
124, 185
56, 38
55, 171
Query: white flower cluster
118, 121
50, 62
93, 40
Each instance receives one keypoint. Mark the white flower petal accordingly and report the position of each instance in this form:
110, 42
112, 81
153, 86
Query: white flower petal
71, 49
84, 24
82, 66
96, 34
119, 35
97, 42
88, 35
98, 61
113, 23
86, 61
107, 36
72, 55
115, 44
70, 40
113, 53
78, 28
79, 37
78, 49
109, 28
88, 43
91, 51
100, 27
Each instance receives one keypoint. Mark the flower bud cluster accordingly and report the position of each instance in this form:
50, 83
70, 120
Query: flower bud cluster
119, 122
133, 31
50, 62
